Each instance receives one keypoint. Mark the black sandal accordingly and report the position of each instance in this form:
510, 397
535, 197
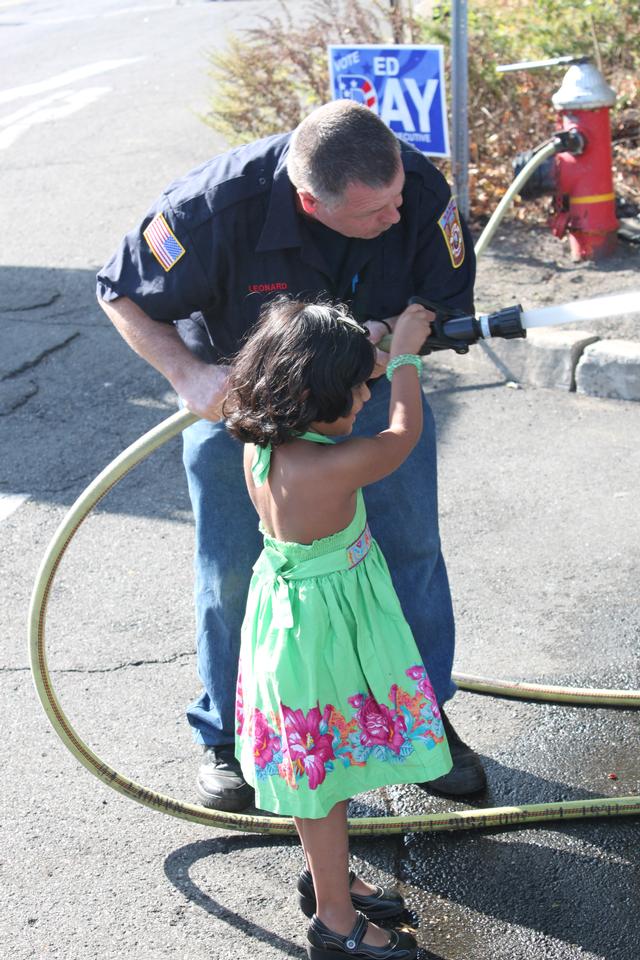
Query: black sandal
324, 944
380, 905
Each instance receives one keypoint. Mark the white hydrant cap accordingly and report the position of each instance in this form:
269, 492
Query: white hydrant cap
583, 88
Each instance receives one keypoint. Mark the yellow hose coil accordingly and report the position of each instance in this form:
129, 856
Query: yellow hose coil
283, 826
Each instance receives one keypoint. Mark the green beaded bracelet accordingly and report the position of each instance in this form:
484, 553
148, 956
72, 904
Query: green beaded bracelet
402, 360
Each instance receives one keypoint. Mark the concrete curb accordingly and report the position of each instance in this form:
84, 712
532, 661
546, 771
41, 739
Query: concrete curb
573, 360
610, 368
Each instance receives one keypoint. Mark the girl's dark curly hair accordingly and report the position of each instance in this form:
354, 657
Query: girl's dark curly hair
298, 365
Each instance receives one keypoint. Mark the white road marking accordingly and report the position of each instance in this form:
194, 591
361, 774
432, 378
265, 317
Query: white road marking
138, 8
45, 113
43, 20
9, 503
25, 111
64, 79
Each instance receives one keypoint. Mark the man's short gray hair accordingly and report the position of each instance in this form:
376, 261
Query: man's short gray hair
340, 143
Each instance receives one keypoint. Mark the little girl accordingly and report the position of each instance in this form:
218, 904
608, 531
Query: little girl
332, 696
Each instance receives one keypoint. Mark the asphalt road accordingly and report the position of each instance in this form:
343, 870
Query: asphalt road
98, 111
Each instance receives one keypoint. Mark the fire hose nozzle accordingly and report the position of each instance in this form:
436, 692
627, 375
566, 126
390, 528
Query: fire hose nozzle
454, 330
506, 323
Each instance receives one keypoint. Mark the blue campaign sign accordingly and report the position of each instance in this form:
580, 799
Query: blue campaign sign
403, 84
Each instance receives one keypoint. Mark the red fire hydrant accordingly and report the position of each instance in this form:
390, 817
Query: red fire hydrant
584, 201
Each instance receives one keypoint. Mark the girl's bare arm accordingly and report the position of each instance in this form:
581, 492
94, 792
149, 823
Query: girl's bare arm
361, 461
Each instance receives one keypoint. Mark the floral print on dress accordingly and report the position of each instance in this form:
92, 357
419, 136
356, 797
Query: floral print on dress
239, 705
379, 726
266, 745
296, 745
308, 743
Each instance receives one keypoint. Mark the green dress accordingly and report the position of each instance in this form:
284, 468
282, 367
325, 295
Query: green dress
332, 697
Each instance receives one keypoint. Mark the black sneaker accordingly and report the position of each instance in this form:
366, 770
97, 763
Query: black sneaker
466, 775
221, 785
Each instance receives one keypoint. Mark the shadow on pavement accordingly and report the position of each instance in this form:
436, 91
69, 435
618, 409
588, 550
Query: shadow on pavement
179, 863
73, 396
575, 897
537, 876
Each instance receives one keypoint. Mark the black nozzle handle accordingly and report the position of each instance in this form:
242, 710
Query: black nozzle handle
452, 329
441, 338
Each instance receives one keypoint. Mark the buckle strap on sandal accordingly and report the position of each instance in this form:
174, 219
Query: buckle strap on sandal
348, 943
354, 939
325, 944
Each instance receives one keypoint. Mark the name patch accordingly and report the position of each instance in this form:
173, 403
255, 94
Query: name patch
268, 287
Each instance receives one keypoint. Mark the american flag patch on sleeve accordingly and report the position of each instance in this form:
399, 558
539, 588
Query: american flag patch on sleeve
165, 247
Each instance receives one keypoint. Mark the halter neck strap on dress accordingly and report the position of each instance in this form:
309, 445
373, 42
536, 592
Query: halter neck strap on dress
261, 462
316, 437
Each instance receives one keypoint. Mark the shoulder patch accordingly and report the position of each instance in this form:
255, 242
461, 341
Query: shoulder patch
163, 244
451, 228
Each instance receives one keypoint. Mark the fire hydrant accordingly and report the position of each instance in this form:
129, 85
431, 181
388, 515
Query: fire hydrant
584, 201
579, 176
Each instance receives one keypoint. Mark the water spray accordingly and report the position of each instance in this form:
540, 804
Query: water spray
454, 330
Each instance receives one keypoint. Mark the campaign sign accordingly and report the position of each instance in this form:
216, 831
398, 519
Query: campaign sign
403, 84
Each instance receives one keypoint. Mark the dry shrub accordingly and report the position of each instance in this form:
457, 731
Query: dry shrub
271, 76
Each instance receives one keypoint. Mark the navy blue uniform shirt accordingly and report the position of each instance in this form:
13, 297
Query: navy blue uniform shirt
228, 236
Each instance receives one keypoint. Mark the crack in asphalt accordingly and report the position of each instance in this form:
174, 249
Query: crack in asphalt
62, 488
7, 486
114, 669
33, 306
30, 364
20, 402
52, 319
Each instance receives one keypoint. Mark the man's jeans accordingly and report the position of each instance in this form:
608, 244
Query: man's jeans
403, 517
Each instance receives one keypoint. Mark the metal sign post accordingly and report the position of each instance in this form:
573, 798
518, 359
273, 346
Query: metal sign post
459, 106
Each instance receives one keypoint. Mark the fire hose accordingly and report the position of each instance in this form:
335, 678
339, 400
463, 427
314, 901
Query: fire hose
543, 152
496, 817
